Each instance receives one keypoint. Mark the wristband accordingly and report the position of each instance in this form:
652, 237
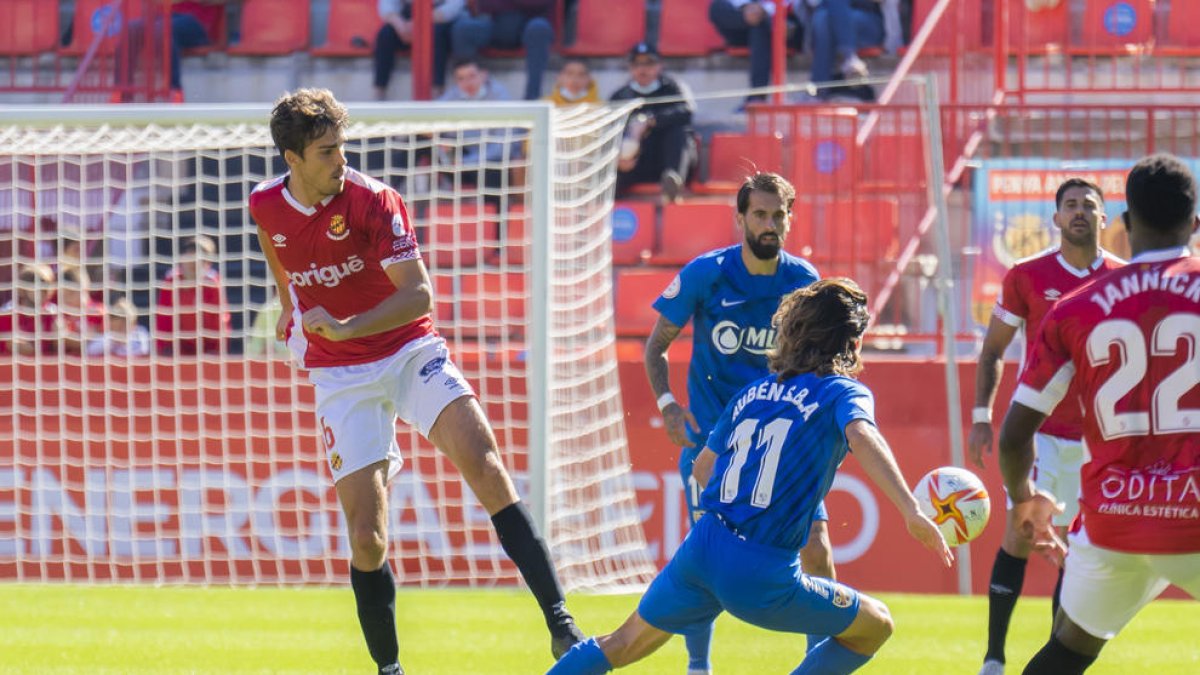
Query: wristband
665, 400
981, 415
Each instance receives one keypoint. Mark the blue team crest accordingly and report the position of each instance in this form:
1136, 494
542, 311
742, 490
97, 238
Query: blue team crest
398, 227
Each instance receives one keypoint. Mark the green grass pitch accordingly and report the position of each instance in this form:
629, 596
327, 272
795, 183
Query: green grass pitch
139, 629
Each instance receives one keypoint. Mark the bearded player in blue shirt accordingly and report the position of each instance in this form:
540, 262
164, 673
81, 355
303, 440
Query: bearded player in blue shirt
731, 295
772, 457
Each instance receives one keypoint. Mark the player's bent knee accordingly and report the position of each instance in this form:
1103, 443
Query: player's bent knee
368, 546
871, 627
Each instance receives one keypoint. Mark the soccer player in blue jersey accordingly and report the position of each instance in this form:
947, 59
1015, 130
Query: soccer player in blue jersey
772, 457
731, 294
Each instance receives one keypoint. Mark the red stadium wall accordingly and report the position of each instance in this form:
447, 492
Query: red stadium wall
92, 523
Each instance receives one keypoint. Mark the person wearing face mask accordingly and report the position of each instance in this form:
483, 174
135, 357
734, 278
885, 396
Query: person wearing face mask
574, 85
661, 127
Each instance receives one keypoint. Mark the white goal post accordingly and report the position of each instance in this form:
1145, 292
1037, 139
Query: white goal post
200, 462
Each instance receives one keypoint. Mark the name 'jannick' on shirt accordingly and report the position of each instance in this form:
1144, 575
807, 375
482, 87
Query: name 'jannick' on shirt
1148, 280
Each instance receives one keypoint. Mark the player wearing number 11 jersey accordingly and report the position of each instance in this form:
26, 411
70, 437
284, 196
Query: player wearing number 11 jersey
769, 462
1127, 342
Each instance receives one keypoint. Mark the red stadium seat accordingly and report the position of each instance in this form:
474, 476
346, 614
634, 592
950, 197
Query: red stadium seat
1035, 31
824, 155
1182, 22
28, 27
732, 157
962, 18
459, 236
843, 237
491, 304
633, 232
89, 15
272, 28
636, 291
692, 228
515, 237
607, 27
893, 161
684, 29
353, 25
1111, 25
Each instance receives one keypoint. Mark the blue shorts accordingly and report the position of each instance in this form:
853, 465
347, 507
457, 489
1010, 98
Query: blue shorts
714, 570
692, 489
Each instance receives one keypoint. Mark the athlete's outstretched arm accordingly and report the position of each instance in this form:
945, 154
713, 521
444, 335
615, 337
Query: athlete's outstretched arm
880, 466
281, 284
675, 417
412, 299
987, 379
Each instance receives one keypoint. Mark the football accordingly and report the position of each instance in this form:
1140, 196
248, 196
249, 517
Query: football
956, 500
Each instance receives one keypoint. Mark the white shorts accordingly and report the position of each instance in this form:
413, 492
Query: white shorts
357, 405
1056, 470
1103, 589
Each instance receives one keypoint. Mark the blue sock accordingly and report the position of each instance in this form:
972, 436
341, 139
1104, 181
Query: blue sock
585, 658
699, 647
813, 641
830, 658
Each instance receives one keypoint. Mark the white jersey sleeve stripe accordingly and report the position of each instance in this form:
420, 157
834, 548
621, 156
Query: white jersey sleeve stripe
1046, 400
1007, 317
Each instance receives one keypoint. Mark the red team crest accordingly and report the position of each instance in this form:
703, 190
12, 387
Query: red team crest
338, 230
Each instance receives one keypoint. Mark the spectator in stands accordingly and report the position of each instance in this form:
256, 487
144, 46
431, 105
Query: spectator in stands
123, 336
29, 312
748, 23
396, 32
194, 23
574, 84
658, 143
470, 149
509, 24
839, 28
80, 317
191, 314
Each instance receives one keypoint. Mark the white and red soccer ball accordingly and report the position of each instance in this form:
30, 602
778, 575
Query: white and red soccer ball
956, 500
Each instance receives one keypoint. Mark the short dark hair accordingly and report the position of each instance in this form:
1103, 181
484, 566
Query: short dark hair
1076, 183
765, 181
303, 116
464, 61
818, 327
1161, 193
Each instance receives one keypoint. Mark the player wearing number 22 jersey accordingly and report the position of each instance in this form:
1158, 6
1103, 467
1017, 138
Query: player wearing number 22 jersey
1128, 343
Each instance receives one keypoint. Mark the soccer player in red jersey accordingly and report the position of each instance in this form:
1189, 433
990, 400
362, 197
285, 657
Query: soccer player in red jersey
1030, 289
356, 313
1127, 343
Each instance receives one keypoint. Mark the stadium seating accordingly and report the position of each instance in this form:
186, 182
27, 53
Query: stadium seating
456, 231
893, 161
684, 29
89, 13
691, 228
636, 291
272, 28
845, 237
1182, 22
353, 25
493, 303
731, 157
28, 27
969, 25
1112, 25
515, 237
607, 27
633, 232
1038, 31
824, 154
